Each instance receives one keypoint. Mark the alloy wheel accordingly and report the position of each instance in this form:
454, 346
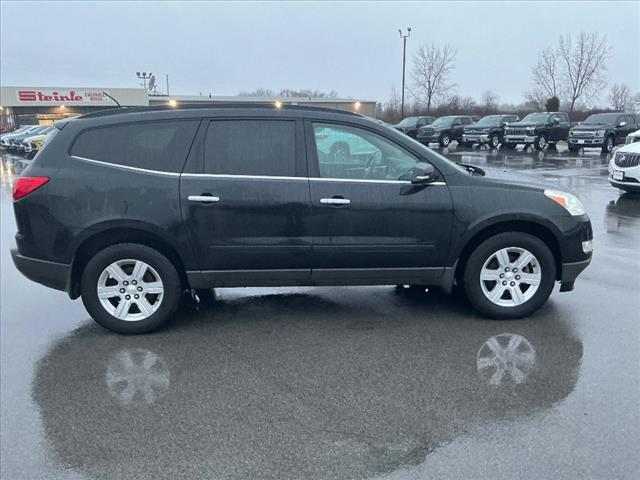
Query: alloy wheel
130, 290
510, 277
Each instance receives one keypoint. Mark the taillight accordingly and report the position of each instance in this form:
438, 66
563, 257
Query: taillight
25, 185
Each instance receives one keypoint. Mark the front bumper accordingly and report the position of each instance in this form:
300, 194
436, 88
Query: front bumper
429, 139
476, 138
50, 274
586, 141
570, 272
520, 138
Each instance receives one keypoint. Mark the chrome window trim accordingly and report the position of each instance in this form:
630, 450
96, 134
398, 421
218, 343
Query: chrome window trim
125, 167
259, 177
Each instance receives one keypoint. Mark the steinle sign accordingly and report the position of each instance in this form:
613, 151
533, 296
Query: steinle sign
61, 96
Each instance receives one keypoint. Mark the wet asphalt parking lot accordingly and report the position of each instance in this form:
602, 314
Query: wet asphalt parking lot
337, 383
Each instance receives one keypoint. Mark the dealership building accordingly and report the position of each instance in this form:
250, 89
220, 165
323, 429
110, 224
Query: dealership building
44, 105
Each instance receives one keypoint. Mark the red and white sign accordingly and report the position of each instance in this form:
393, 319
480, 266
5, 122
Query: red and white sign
62, 96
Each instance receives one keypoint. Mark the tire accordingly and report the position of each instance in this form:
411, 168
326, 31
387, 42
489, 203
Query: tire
541, 142
340, 151
157, 276
495, 141
444, 140
484, 258
608, 144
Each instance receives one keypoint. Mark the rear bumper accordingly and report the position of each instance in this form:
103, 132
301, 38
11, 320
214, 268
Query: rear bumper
50, 274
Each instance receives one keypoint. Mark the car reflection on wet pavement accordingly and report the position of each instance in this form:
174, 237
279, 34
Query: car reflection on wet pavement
375, 382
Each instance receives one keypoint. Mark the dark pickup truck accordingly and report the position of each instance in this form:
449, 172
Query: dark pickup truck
444, 130
604, 130
410, 125
488, 130
539, 129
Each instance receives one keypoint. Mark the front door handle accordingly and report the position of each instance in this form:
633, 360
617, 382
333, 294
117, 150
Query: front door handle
335, 201
203, 198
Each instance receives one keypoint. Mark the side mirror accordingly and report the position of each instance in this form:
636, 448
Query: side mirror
422, 173
622, 124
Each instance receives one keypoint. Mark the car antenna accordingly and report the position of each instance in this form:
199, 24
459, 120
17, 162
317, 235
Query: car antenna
117, 103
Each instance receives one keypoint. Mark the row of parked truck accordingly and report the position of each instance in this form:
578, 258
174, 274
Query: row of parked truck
539, 129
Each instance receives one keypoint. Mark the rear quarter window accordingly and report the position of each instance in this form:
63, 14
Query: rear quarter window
161, 145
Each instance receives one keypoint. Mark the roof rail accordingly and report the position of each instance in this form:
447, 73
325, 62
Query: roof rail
212, 106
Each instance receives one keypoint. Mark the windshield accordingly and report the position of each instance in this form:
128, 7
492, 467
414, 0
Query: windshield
600, 119
443, 121
489, 121
408, 122
536, 118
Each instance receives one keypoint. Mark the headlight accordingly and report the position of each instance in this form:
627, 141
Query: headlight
571, 133
531, 129
600, 133
570, 202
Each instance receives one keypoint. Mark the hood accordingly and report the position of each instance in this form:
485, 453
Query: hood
593, 126
630, 148
523, 124
496, 176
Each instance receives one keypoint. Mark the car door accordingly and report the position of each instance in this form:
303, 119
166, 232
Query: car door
246, 202
368, 224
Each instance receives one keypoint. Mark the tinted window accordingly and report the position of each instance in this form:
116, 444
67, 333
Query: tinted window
466, 121
354, 153
251, 147
152, 145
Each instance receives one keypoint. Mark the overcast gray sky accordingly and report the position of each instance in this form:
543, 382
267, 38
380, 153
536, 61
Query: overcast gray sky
353, 48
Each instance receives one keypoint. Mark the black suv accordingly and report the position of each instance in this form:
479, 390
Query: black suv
444, 130
132, 208
539, 129
488, 130
410, 125
604, 130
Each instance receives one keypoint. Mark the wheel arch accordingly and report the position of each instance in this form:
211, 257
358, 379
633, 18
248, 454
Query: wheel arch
121, 234
524, 226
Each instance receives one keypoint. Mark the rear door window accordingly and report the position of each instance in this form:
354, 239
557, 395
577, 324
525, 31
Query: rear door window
251, 147
161, 145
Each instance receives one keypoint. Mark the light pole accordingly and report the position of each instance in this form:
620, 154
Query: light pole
404, 61
144, 77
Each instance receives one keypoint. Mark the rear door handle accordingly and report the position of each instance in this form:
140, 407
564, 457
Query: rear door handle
335, 201
203, 198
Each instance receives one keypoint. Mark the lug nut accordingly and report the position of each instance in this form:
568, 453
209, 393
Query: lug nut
134, 282
122, 290
504, 283
139, 289
125, 283
136, 296
517, 277
513, 284
502, 275
506, 269
515, 270
127, 297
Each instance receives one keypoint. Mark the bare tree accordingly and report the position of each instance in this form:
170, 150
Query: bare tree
620, 97
535, 98
432, 67
546, 75
583, 66
490, 101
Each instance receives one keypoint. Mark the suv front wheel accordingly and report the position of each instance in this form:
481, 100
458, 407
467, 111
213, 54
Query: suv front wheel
509, 275
130, 288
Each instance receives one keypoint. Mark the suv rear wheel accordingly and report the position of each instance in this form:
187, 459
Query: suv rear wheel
495, 140
130, 288
509, 275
